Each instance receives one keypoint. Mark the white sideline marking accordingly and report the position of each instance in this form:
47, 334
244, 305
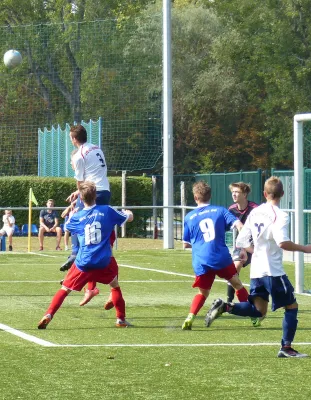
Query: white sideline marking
156, 270
132, 281
26, 252
44, 343
41, 255
25, 336
161, 271
179, 345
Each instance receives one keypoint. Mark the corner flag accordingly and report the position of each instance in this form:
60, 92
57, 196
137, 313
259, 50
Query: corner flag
32, 197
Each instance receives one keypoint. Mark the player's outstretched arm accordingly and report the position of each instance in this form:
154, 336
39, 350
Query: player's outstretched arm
291, 246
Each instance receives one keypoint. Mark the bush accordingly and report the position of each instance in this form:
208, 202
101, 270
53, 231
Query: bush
14, 192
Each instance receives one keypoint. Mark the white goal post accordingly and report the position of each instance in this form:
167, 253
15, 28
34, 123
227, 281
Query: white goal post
299, 119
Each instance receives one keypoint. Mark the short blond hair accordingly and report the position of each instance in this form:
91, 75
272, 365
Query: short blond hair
202, 191
274, 188
87, 191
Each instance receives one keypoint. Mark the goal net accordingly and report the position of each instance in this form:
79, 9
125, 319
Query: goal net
75, 72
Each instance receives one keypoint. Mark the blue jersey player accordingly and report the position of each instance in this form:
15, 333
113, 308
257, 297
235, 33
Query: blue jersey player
204, 231
93, 226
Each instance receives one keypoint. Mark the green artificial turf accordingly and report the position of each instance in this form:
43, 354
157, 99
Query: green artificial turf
89, 358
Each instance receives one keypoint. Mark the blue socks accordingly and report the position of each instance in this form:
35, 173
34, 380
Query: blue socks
289, 326
245, 309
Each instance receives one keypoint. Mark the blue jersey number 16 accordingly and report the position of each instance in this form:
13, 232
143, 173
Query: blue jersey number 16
93, 234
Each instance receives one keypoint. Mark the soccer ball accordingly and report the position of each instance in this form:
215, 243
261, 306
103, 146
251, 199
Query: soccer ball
12, 58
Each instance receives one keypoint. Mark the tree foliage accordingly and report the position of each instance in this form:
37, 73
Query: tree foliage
241, 71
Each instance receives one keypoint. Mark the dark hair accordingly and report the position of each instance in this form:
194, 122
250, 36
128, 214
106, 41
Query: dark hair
87, 191
79, 133
202, 191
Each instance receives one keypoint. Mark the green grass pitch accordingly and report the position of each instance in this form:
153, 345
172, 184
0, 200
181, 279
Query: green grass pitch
82, 355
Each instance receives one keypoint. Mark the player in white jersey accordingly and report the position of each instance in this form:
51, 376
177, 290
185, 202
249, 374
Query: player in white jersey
89, 164
268, 226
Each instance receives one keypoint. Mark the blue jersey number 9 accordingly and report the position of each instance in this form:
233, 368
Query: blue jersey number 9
93, 234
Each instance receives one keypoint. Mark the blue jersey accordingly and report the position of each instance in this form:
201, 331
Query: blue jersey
205, 229
93, 227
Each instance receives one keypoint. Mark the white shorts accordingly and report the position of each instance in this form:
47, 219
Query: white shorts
7, 230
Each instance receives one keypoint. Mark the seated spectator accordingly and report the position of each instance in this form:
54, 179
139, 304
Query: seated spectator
8, 226
49, 225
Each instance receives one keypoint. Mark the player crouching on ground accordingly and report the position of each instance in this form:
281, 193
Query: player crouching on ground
93, 226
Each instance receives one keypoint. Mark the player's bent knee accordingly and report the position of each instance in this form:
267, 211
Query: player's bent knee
291, 306
114, 283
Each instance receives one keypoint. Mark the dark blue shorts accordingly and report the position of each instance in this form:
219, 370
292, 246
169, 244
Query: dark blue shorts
102, 199
278, 287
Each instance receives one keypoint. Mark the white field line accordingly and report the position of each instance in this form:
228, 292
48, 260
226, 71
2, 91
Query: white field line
161, 271
131, 281
30, 252
178, 345
44, 343
27, 337
42, 255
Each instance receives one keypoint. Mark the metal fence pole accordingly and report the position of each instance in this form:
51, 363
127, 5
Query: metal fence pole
123, 201
183, 204
154, 203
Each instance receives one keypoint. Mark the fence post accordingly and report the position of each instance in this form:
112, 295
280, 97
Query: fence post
292, 231
123, 200
154, 203
183, 205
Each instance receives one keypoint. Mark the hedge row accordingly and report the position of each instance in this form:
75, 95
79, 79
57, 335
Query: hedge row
14, 192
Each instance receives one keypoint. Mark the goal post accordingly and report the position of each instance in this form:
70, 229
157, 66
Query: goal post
299, 188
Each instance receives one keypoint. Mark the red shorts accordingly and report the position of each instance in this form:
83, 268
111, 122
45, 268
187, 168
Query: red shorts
76, 279
206, 280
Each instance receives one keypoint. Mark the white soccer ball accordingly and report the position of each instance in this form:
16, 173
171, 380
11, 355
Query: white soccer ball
12, 58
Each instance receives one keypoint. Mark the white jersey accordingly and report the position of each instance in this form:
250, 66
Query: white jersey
90, 165
6, 223
9, 230
268, 226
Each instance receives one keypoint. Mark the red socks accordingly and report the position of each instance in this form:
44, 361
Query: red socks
197, 303
242, 294
118, 302
91, 285
57, 301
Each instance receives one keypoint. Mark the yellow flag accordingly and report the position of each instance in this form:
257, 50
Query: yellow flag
32, 197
